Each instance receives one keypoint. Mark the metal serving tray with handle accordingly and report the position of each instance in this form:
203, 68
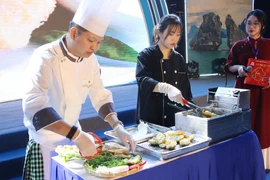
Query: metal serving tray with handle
199, 142
152, 130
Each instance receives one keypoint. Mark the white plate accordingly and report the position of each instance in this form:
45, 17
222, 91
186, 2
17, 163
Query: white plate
111, 175
75, 163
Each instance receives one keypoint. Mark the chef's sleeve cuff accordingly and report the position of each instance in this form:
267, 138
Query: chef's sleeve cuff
106, 109
45, 117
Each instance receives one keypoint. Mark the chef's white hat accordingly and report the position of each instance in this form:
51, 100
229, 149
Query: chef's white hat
95, 15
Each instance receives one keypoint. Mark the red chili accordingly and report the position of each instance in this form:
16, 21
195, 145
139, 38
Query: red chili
136, 166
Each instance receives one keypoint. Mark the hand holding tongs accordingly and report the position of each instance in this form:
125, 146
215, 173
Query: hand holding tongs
202, 111
192, 105
189, 105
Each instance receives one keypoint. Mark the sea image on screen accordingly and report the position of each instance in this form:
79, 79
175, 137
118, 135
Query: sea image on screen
208, 22
29, 24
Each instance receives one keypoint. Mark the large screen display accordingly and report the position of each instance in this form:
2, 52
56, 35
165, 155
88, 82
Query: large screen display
28, 24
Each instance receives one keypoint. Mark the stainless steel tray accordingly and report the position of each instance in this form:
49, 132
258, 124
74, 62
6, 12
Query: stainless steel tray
163, 154
151, 131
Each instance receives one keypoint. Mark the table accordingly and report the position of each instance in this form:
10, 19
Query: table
239, 158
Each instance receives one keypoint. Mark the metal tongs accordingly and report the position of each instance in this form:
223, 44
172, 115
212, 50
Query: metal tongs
188, 104
155, 128
192, 106
197, 109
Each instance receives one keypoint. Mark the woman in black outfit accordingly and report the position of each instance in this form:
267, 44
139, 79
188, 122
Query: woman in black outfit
161, 75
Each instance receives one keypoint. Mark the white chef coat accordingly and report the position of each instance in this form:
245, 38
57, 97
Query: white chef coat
56, 82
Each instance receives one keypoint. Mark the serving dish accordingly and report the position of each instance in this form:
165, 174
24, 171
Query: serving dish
114, 160
123, 171
198, 142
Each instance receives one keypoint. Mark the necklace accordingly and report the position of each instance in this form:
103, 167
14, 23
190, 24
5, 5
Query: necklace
255, 49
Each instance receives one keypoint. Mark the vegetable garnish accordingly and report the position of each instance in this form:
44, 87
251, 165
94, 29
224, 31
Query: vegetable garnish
67, 152
109, 160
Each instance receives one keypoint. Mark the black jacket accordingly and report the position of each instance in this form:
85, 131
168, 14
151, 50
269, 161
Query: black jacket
150, 70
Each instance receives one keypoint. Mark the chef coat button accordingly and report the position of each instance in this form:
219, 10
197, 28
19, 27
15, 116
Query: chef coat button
175, 82
89, 82
61, 60
165, 117
164, 72
175, 71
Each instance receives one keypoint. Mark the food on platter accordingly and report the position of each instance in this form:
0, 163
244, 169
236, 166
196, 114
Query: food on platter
113, 161
115, 148
197, 142
67, 152
160, 138
109, 160
170, 139
190, 137
184, 142
168, 144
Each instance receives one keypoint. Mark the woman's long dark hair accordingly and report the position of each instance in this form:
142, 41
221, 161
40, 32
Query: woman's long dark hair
170, 20
261, 16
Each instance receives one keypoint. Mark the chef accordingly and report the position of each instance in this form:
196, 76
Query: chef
60, 76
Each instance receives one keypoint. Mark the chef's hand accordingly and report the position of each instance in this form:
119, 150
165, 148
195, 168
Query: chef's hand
241, 71
86, 143
125, 137
174, 94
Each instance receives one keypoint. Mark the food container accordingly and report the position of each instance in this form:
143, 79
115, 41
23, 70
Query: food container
199, 142
115, 170
218, 128
233, 115
233, 99
113, 175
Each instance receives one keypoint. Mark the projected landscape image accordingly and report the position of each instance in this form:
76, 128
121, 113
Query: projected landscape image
207, 27
125, 37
